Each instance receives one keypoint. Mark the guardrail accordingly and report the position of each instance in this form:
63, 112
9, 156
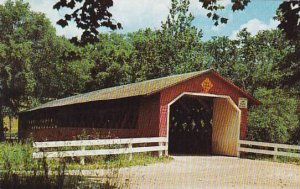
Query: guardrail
277, 149
42, 147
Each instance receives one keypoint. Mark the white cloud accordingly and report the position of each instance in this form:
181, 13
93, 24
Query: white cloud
224, 3
54, 15
254, 26
218, 27
132, 14
136, 14
196, 8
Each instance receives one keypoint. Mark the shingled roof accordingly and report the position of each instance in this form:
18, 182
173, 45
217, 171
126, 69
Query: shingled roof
135, 89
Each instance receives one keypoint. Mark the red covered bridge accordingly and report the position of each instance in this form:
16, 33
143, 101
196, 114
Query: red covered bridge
199, 112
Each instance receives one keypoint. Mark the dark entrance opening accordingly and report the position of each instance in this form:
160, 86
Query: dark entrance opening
190, 129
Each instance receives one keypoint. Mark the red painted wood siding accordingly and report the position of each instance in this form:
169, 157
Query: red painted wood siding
147, 126
220, 87
152, 115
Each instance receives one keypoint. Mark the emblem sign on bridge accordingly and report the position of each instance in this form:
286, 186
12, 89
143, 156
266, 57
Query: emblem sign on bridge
243, 103
206, 85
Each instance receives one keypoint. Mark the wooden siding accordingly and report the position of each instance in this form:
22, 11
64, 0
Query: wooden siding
145, 126
226, 121
220, 87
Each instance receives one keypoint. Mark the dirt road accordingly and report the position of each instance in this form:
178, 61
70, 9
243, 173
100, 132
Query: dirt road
213, 172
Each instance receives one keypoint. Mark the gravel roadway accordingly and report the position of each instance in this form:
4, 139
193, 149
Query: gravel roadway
213, 172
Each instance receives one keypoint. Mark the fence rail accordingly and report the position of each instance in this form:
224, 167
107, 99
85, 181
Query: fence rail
42, 148
251, 147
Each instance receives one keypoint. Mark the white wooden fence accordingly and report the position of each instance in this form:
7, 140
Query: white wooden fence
277, 149
45, 149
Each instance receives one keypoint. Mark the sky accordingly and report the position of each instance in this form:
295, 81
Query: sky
139, 14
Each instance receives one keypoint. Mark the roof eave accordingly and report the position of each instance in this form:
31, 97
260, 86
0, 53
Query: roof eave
253, 100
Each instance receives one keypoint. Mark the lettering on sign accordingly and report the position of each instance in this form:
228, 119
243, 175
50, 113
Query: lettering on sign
243, 103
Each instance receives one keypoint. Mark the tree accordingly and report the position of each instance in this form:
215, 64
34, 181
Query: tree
288, 14
279, 121
175, 48
35, 64
92, 14
214, 5
89, 16
221, 54
181, 40
110, 58
60, 69
249, 61
16, 76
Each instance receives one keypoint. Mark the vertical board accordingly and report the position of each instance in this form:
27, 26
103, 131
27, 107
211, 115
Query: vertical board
225, 129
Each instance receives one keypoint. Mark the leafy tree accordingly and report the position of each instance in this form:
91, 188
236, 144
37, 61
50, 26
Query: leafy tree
110, 59
249, 61
92, 14
221, 54
147, 55
16, 76
35, 64
213, 6
60, 68
288, 14
89, 16
257, 59
181, 40
279, 118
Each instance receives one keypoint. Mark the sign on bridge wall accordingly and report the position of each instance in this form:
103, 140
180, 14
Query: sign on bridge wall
243, 103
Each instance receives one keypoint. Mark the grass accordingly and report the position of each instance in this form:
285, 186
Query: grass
19, 170
118, 161
279, 159
18, 157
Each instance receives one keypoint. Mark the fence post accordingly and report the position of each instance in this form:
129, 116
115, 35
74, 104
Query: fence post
130, 151
275, 153
160, 152
167, 149
82, 158
238, 150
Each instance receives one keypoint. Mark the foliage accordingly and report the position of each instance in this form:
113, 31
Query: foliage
249, 61
19, 170
288, 15
275, 120
213, 6
36, 65
176, 48
89, 16
110, 59
16, 81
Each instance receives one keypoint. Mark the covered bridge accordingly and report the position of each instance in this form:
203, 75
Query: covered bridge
199, 112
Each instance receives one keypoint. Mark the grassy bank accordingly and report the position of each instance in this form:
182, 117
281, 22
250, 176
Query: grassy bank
279, 159
19, 170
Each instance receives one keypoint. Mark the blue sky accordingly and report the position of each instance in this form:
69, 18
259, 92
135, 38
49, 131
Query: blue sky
136, 14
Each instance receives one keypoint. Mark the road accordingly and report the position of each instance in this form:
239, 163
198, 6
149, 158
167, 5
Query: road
213, 172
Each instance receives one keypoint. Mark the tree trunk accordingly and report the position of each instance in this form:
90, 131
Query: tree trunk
10, 124
1, 125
